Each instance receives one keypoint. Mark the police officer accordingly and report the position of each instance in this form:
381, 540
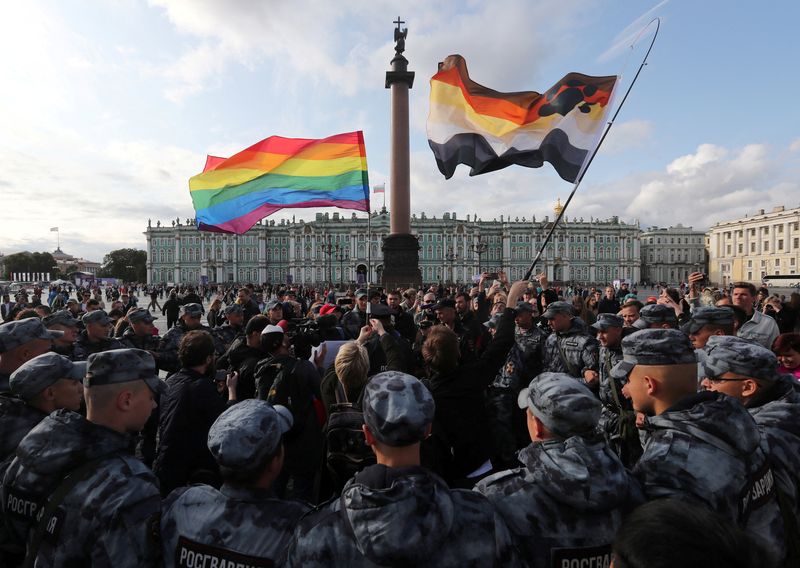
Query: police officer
21, 341
190, 320
94, 338
396, 513
568, 500
748, 372
234, 327
355, 319
40, 386
242, 523
102, 503
617, 418
140, 333
708, 321
702, 447
62, 320
654, 316
570, 349
524, 361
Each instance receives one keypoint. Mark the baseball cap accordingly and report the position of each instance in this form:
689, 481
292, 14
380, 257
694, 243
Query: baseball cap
523, 307
397, 408
604, 321
16, 333
329, 309
729, 354
558, 308
246, 433
708, 315
655, 313
564, 405
233, 308
361, 293
122, 366
271, 336
654, 347
493, 321
33, 376
96, 316
272, 304
141, 314
445, 303
193, 310
61, 317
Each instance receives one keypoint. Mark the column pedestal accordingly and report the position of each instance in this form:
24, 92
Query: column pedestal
401, 262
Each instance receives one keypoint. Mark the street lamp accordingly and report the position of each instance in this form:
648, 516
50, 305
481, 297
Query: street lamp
341, 256
328, 249
480, 248
451, 257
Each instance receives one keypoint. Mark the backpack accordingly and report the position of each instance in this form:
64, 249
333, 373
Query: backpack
347, 451
271, 377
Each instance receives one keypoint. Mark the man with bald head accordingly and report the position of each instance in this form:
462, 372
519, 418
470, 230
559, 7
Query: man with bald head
702, 447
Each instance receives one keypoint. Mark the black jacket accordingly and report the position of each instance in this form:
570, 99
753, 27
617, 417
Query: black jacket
187, 410
460, 402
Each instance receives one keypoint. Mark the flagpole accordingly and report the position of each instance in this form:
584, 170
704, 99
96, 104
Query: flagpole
594, 152
369, 256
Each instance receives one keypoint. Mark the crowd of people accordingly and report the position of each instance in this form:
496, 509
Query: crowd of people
497, 424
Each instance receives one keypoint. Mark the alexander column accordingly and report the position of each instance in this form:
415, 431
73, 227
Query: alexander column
400, 248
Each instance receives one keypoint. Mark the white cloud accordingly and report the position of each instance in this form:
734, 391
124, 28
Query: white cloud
795, 146
626, 135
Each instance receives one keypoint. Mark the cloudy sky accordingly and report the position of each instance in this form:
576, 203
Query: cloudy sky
108, 107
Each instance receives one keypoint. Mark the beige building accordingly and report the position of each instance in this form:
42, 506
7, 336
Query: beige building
751, 248
670, 254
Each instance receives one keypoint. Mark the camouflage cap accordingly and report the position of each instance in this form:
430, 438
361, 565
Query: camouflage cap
192, 310
96, 316
141, 314
61, 317
17, 333
654, 347
729, 354
233, 309
708, 315
523, 307
558, 308
564, 405
493, 321
397, 408
246, 433
122, 366
361, 294
40, 372
604, 321
655, 313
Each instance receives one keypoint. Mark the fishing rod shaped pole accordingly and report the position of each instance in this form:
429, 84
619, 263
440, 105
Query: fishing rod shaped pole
594, 152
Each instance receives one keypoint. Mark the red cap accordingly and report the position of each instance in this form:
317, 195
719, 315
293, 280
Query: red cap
283, 324
327, 309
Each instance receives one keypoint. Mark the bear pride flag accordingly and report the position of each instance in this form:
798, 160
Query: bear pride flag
488, 130
233, 194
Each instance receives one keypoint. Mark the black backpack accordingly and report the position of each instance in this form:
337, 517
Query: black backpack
271, 377
347, 451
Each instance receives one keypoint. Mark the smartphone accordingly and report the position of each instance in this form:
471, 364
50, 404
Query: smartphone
222, 376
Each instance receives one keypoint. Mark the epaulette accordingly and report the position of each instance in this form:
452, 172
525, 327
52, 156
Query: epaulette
503, 476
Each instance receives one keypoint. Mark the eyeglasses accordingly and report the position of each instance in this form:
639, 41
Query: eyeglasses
716, 380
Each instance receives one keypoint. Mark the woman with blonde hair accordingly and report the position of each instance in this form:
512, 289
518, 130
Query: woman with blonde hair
213, 317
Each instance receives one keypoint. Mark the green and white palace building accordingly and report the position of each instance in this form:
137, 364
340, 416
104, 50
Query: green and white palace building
334, 247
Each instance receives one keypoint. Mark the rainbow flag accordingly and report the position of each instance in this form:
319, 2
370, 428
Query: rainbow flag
233, 194
488, 130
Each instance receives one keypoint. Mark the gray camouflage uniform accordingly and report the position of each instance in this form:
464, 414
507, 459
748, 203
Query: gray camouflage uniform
109, 518
568, 501
240, 524
14, 334
705, 448
579, 347
168, 347
401, 516
775, 407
